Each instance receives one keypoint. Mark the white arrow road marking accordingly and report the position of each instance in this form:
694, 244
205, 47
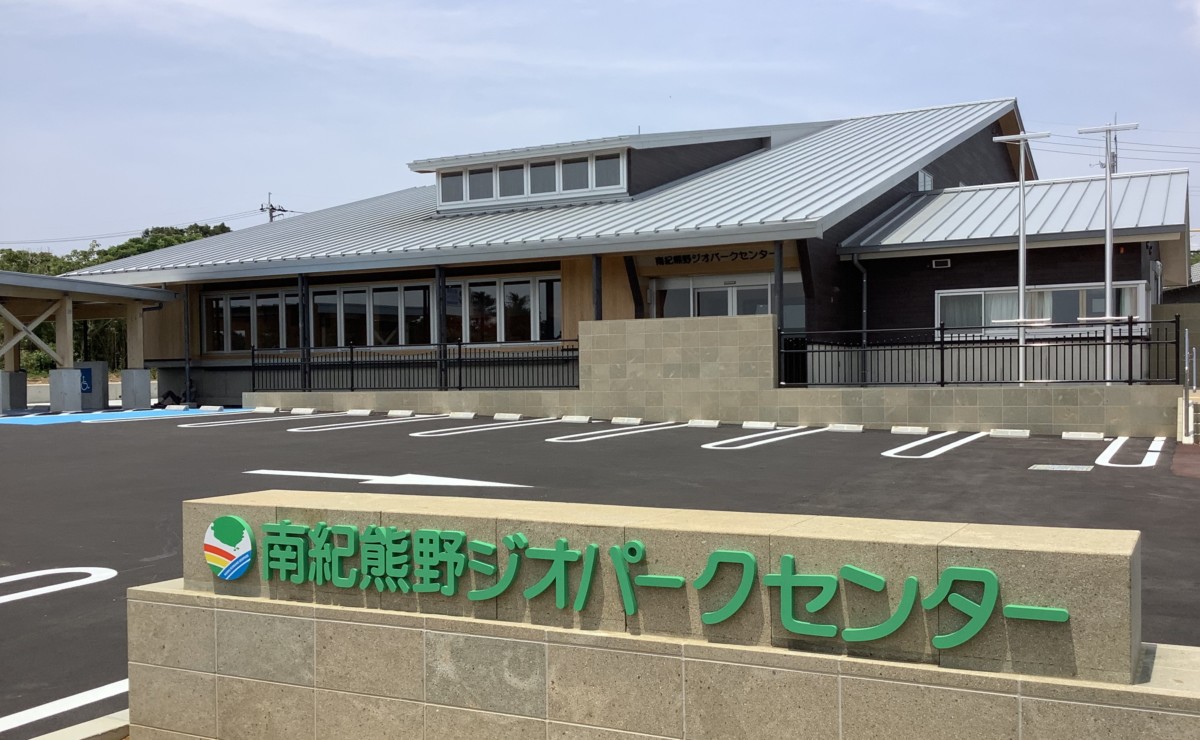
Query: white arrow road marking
92, 575
406, 479
895, 451
1148, 461
63, 705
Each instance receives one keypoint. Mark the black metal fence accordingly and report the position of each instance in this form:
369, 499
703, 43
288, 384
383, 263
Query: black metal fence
439, 367
1138, 352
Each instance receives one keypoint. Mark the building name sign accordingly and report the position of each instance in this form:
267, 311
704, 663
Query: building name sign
432, 561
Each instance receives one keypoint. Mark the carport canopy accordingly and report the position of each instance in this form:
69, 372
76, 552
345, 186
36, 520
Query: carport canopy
27, 301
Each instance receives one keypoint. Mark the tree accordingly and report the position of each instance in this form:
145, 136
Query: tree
102, 339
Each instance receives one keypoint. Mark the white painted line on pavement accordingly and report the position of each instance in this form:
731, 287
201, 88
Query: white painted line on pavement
405, 479
485, 427
896, 451
1149, 461
91, 575
192, 415
239, 422
363, 424
63, 705
762, 438
595, 435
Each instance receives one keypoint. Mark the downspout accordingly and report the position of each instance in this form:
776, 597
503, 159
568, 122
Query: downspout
862, 364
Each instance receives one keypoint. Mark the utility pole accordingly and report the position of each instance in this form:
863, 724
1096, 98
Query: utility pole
1021, 140
1109, 167
271, 209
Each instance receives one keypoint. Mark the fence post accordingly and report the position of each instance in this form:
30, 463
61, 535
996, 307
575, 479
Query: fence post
1129, 343
1178, 359
459, 362
352, 368
942, 354
306, 368
779, 365
253, 371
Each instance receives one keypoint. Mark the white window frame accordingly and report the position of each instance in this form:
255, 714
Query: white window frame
467, 203
924, 181
1140, 303
728, 282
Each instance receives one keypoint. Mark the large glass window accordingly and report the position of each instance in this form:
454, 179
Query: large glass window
240, 335
266, 313
542, 177
752, 301
549, 310
291, 320
325, 318
354, 322
483, 312
512, 180
481, 184
673, 303
793, 306
999, 308
214, 323
575, 174
517, 315
959, 311
608, 170
416, 315
452, 187
385, 315
713, 302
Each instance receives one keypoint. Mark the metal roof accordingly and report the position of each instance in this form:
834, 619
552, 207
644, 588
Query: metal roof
779, 134
796, 190
1143, 203
24, 285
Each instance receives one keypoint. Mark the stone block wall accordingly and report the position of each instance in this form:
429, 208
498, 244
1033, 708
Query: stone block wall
252, 659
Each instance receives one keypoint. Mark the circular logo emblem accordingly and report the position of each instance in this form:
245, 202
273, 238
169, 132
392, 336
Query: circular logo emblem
229, 547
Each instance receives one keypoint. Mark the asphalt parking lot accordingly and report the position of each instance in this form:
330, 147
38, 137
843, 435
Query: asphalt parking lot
107, 495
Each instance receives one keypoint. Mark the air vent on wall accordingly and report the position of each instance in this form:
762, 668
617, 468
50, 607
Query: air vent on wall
941, 264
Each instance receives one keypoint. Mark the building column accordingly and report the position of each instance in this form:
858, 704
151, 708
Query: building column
135, 345
64, 332
12, 358
597, 287
777, 297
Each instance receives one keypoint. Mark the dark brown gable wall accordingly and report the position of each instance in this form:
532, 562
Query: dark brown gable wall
650, 168
901, 290
833, 286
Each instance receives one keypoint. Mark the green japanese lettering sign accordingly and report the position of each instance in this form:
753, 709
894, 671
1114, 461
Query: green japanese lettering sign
432, 561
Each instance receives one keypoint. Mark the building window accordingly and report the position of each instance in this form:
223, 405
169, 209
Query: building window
241, 331
924, 181
482, 324
452, 187
417, 319
728, 295
214, 323
996, 309
267, 319
291, 320
549, 310
385, 317
567, 177
517, 315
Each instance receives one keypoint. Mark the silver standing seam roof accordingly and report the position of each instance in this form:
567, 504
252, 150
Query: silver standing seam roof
795, 190
84, 289
1143, 203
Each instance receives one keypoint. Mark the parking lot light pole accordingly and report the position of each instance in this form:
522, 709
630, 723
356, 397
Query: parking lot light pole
1020, 140
1109, 166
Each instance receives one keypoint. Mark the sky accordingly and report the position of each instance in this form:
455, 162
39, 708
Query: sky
117, 115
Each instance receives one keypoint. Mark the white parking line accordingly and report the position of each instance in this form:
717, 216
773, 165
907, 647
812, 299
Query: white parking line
608, 433
896, 451
63, 705
486, 427
762, 438
236, 422
1149, 461
361, 424
92, 575
119, 420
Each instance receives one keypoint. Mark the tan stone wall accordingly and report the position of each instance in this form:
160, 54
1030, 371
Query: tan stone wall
220, 660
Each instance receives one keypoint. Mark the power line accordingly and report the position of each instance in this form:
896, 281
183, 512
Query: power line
132, 232
1142, 159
